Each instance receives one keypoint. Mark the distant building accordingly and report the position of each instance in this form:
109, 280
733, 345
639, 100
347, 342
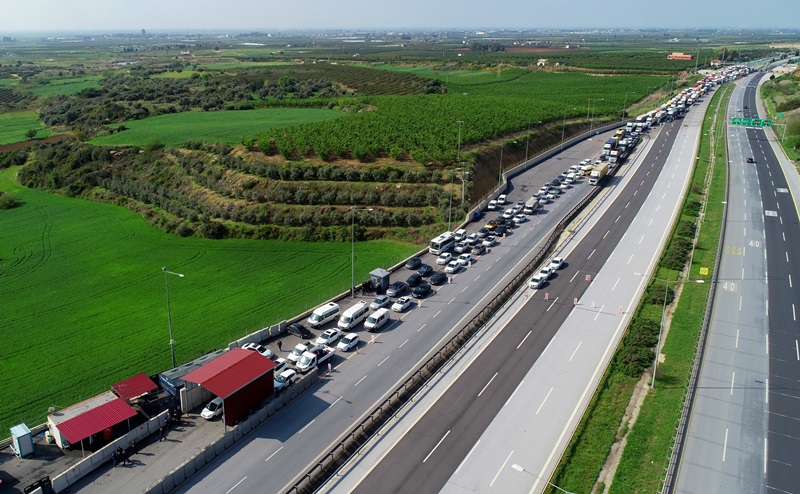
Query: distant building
679, 56
144, 33
716, 63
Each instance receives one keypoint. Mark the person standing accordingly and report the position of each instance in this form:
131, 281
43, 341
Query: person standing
280, 346
162, 434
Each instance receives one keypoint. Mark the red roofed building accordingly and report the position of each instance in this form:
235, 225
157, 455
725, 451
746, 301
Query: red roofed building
82, 421
679, 56
242, 378
134, 387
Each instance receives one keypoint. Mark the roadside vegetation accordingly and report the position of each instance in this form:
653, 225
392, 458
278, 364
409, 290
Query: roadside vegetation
649, 441
782, 96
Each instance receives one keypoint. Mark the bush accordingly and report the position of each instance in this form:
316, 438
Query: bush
655, 294
686, 229
677, 254
7, 201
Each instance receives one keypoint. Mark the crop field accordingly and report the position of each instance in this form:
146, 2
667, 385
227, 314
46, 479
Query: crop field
83, 297
67, 86
14, 124
222, 126
458, 76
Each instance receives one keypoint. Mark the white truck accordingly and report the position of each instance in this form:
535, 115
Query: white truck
297, 352
598, 173
312, 358
531, 206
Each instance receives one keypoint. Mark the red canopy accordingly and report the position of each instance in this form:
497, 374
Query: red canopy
96, 420
232, 371
134, 387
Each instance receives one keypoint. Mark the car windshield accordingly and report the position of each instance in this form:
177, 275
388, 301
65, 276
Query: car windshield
305, 360
212, 407
297, 351
280, 379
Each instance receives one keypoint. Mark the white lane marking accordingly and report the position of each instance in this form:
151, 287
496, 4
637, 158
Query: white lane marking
476, 278
604, 236
573, 276
651, 222
544, 401
740, 303
618, 217
384, 360
640, 240
434, 316
437, 445
464, 289
658, 207
790, 281
590, 255
276, 452
420, 328
599, 312
403, 343
551, 305
359, 381
523, 339
725, 445
487, 384
787, 257
784, 236
797, 349
733, 380
451, 301
794, 316
502, 467
630, 259
626, 206
765, 455
745, 231
766, 391
615, 284
234, 487
737, 338
766, 344
307, 425
766, 306
576, 351
468, 455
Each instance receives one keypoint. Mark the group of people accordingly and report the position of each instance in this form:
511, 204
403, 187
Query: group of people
119, 456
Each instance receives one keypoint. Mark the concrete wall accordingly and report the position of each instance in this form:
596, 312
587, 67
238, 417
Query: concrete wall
63, 481
260, 335
205, 456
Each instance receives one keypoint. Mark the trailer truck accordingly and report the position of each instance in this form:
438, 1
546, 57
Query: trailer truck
598, 173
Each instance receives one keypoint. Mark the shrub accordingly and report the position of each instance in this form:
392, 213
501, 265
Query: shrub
677, 254
655, 294
7, 201
686, 229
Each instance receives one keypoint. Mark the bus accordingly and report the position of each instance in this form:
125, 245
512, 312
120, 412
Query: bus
442, 243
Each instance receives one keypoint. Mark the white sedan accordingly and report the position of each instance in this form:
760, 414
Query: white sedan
401, 304
464, 259
444, 258
284, 379
328, 336
453, 267
520, 218
348, 342
508, 213
489, 241
258, 348
556, 263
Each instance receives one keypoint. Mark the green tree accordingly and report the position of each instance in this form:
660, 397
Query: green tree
31, 134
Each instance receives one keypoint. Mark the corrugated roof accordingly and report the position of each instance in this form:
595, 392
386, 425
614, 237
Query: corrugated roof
230, 372
135, 386
96, 419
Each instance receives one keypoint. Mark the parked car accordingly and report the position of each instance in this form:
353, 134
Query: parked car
298, 329
284, 380
452, 267
500, 230
491, 224
489, 241
556, 263
422, 290
380, 301
397, 289
492, 205
465, 259
258, 348
501, 199
213, 409
508, 214
472, 238
460, 235
328, 336
414, 280
401, 304
438, 278
483, 232
546, 272
479, 250
414, 263
425, 270
280, 365
348, 342
444, 258
461, 247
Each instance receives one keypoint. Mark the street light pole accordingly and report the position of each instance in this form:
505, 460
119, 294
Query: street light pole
663, 316
563, 126
520, 468
353, 210
169, 314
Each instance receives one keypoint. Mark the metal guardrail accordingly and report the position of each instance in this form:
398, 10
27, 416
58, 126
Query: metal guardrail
350, 443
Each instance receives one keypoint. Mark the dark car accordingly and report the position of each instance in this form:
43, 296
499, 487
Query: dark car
425, 270
414, 263
556, 181
479, 250
298, 329
438, 278
414, 280
397, 289
750, 160
547, 184
483, 232
421, 291
500, 230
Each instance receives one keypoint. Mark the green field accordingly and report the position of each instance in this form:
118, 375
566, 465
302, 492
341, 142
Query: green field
67, 86
83, 300
464, 77
222, 126
13, 126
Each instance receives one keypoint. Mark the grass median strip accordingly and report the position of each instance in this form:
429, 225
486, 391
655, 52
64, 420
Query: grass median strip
649, 441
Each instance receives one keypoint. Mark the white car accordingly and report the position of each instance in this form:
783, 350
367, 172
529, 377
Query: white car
213, 409
508, 214
328, 336
464, 259
501, 199
543, 189
401, 304
536, 282
348, 342
453, 267
517, 208
444, 258
258, 348
280, 365
489, 241
492, 205
550, 196
546, 272
284, 379
556, 263
380, 301
544, 200
520, 218
472, 239
564, 186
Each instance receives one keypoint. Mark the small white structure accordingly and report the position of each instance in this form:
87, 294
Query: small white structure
22, 440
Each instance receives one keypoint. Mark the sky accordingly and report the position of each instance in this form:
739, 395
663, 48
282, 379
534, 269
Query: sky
271, 15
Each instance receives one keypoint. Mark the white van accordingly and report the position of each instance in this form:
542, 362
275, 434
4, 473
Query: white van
354, 315
501, 199
377, 319
324, 314
492, 205
575, 168
570, 178
460, 235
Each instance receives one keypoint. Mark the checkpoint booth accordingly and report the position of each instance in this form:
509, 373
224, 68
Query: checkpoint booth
91, 423
242, 378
